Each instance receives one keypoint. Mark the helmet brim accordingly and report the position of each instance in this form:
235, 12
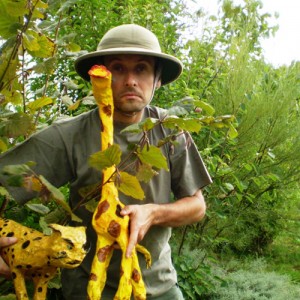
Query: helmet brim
171, 66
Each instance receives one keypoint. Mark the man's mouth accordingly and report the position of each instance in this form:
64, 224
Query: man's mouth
130, 94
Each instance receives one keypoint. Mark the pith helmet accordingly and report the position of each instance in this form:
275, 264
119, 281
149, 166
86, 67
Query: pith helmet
130, 39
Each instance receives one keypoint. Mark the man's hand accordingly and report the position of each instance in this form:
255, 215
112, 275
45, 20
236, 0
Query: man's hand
184, 211
141, 219
4, 242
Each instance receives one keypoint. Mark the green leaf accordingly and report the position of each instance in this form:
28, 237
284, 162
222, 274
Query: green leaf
73, 47
91, 205
177, 111
148, 124
107, 158
58, 198
39, 103
75, 105
17, 8
55, 216
39, 208
46, 67
3, 191
130, 186
185, 124
46, 47
229, 186
8, 297
40, 7
207, 119
145, 173
11, 96
153, 156
9, 65
3, 145
145, 125
9, 22
134, 128
191, 125
232, 132
44, 226
15, 124
30, 41
205, 106
21, 169
70, 84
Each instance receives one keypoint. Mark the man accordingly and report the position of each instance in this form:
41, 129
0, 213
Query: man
133, 55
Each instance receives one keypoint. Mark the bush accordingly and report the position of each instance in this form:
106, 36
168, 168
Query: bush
254, 283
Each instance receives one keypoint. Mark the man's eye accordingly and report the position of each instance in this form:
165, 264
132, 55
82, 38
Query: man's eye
141, 68
117, 68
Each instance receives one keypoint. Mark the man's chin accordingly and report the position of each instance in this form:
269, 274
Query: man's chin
130, 110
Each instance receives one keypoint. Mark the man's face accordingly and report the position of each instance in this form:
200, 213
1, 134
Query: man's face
132, 81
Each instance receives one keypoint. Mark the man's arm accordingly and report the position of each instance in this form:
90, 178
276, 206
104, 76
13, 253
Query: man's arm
184, 211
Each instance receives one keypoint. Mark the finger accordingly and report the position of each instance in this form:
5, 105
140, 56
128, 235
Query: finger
4, 269
7, 241
132, 241
126, 211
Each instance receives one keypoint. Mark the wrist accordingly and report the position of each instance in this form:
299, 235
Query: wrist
154, 213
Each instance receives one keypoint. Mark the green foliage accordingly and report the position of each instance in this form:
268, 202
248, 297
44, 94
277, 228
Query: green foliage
195, 274
23, 176
254, 282
254, 173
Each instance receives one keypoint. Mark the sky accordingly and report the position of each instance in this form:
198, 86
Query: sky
285, 46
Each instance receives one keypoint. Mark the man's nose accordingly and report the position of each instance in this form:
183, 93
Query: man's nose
130, 79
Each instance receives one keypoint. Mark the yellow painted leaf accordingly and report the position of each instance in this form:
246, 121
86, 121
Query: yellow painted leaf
39, 103
130, 186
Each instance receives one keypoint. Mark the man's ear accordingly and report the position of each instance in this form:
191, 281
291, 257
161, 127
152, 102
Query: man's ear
158, 84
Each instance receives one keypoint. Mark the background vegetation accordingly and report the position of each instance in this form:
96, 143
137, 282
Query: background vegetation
248, 246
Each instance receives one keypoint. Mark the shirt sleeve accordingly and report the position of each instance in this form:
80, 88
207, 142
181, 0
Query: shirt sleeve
188, 171
47, 150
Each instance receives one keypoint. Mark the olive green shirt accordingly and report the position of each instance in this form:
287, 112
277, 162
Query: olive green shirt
61, 152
